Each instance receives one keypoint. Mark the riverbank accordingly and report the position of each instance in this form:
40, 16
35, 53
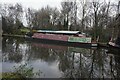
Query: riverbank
12, 35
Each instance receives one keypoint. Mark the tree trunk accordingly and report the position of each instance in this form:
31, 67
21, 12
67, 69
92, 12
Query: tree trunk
118, 36
118, 24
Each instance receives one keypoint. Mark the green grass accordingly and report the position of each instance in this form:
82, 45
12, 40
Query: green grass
25, 30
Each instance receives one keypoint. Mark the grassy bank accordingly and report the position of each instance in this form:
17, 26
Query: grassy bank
13, 35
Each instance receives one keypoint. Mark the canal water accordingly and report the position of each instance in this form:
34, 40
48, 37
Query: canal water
57, 61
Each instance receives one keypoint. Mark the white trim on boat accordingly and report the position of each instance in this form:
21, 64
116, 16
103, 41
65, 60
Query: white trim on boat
94, 44
61, 32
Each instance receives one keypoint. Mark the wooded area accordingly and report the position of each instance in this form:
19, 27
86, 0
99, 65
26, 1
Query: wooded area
97, 19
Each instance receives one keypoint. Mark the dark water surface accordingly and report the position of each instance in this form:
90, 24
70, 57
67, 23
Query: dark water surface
55, 61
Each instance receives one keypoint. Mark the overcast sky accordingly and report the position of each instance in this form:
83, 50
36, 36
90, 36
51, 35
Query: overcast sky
36, 4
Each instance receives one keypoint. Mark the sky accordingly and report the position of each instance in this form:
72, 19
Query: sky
36, 4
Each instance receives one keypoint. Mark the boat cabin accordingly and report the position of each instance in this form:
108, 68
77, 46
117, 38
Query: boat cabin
72, 33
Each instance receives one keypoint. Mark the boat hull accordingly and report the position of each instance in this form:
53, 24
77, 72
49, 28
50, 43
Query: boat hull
64, 39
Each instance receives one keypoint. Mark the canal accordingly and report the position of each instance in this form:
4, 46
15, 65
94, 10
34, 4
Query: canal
56, 61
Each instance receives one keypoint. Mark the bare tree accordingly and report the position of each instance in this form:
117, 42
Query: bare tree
55, 16
30, 17
73, 16
118, 24
67, 8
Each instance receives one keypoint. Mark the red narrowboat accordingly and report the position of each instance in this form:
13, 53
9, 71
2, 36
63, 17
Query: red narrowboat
75, 38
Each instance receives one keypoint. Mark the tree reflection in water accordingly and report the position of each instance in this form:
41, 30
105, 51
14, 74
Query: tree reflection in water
73, 62
11, 50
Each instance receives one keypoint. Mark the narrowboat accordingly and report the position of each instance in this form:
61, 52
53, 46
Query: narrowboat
74, 38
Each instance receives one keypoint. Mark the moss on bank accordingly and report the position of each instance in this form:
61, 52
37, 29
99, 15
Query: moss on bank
12, 76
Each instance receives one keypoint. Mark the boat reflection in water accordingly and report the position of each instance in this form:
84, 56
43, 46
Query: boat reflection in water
55, 61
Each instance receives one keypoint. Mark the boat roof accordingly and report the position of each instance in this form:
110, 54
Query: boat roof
58, 32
